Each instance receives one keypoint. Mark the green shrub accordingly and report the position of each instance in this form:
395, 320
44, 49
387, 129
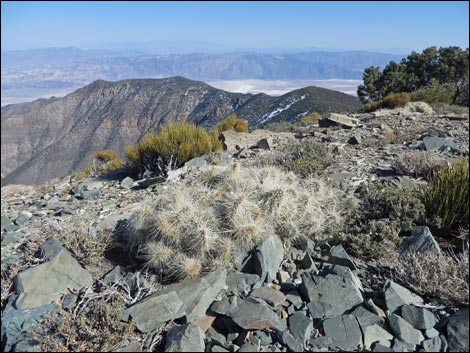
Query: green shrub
108, 160
436, 93
443, 108
382, 214
392, 101
171, 147
308, 119
446, 198
232, 122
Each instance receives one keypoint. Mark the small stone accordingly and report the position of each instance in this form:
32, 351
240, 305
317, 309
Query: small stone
367, 318
265, 143
433, 345
248, 347
288, 340
282, 276
354, 140
127, 182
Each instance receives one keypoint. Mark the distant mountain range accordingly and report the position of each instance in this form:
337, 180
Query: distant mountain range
33, 73
49, 137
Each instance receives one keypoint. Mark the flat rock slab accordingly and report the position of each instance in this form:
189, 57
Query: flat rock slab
155, 310
45, 283
367, 318
246, 314
186, 338
458, 331
338, 120
344, 331
396, 296
328, 298
404, 331
269, 295
239, 282
437, 144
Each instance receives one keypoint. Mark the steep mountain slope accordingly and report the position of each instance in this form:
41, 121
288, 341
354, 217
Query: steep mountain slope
47, 138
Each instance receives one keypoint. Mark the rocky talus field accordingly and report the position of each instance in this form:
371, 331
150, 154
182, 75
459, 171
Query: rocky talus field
253, 249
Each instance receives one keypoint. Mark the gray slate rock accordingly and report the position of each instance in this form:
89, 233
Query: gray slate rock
434, 344
185, 338
45, 283
367, 318
420, 241
327, 298
265, 143
17, 324
339, 256
458, 331
419, 318
154, 310
239, 282
404, 331
344, 331
375, 333
248, 347
246, 314
355, 140
300, 326
269, 255
271, 296
199, 293
437, 144
396, 296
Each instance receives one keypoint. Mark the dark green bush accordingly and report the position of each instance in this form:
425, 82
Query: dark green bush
436, 93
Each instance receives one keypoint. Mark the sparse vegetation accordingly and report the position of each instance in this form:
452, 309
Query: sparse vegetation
304, 158
435, 93
170, 148
200, 224
444, 277
418, 164
446, 198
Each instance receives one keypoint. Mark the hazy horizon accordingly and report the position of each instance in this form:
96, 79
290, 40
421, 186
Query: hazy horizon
386, 27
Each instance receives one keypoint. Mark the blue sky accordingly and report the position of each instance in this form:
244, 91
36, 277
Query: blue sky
380, 26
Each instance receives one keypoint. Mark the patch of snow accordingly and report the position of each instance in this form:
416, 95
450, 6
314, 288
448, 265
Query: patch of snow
278, 111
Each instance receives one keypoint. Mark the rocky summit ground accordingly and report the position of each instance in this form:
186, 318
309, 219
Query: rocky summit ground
66, 285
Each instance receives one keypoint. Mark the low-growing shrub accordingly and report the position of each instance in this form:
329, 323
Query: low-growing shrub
392, 101
200, 223
444, 278
418, 164
280, 126
382, 214
304, 158
232, 122
170, 148
446, 198
97, 329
